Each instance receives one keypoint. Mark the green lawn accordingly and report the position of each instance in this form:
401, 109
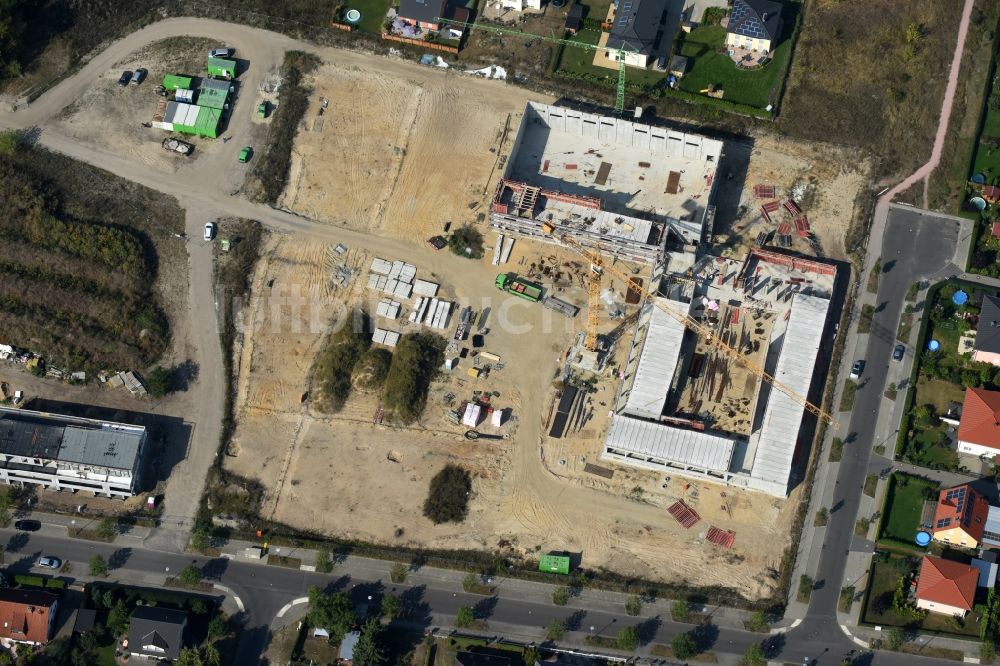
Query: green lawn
709, 65
939, 393
581, 61
106, 655
904, 504
372, 13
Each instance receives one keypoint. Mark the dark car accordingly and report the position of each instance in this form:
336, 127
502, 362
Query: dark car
28, 525
124, 79
138, 76
437, 242
897, 353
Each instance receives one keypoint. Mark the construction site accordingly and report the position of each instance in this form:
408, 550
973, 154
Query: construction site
695, 402
607, 183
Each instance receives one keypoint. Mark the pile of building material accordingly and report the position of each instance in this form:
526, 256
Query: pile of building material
425, 288
129, 380
385, 337
432, 312
387, 308
501, 253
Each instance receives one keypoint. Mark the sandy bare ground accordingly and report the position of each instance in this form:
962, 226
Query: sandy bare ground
827, 181
399, 156
343, 475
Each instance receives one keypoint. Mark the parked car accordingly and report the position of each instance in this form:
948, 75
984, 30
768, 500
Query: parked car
48, 562
437, 242
124, 79
28, 525
246, 154
897, 353
857, 369
209, 230
221, 52
138, 76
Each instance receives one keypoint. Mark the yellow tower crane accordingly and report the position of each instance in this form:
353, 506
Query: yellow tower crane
691, 324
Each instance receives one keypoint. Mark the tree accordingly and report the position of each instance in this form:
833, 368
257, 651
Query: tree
159, 381
464, 617
5, 505
331, 611
218, 626
397, 573
684, 646
757, 622
416, 359
555, 631
370, 371
448, 495
190, 575
369, 651
560, 595
392, 607
118, 618
627, 639
754, 655
987, 652
633, 605
470, 582
205, 655
324, 563
200, 539
107, 528
10, 141
679, 611
98, 566
466, 241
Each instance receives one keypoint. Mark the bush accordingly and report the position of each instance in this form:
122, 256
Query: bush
324, 563
560, 595
190, 575
397, 574
370, 371
159, 381
466, 241
417, 357
679, 611
754, 655
448, 496
337, 360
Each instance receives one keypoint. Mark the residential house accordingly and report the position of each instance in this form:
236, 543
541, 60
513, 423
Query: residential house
156, 633
459, 15
422, 13
754, 25
27, 616
960, 516
481, 659
979, 428
946, 587
987, 347
637, 27
345, 654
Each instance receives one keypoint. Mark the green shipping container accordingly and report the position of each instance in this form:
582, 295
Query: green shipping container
222, 67
175, 82
554, 564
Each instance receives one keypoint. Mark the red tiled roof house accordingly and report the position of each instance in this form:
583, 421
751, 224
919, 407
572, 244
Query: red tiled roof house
27, 616
946, 587
991, 193
979, 429
960, 517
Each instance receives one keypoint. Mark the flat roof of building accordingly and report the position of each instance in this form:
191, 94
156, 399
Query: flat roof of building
626, 164
656, 440
779, 431
658, 360
31, 434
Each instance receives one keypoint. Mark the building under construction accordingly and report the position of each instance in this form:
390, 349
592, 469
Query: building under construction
687, 407
623, 187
